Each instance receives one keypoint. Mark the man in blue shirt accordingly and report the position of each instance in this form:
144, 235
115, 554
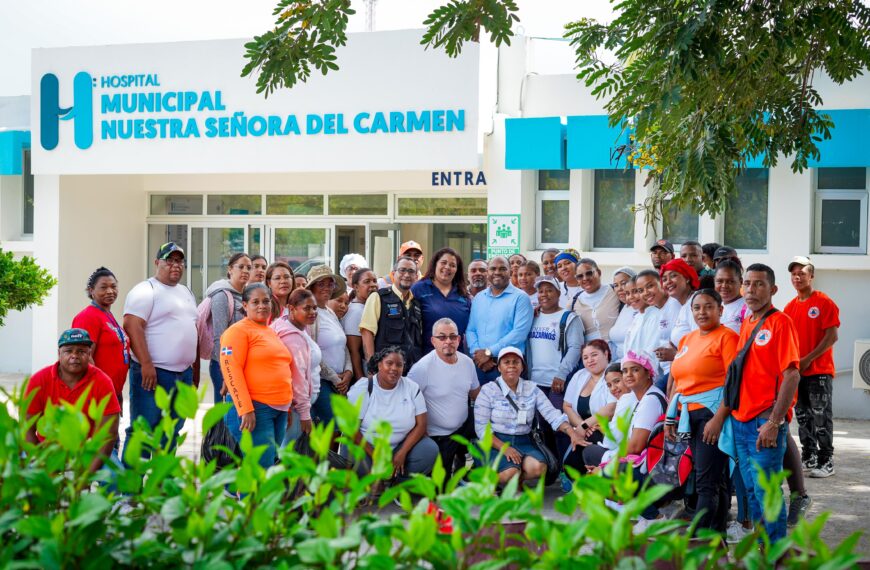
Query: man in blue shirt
500, 316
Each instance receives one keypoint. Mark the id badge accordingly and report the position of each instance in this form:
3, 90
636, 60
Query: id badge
521, 417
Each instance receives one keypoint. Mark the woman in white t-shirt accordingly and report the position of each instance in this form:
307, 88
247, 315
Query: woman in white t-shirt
643, 334
329, 335
587, 397
728, 279
550, 358
363, 283
638, 371
649, 282
566, 269
392, 398
622, 283
598, 304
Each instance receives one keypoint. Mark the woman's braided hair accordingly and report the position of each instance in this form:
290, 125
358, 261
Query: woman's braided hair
372, 365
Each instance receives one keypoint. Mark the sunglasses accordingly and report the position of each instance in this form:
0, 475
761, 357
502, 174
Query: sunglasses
586, 274
446, 337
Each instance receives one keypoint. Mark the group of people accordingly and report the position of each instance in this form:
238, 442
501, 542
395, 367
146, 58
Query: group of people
436, 350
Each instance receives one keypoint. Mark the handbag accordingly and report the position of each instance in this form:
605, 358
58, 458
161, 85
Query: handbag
554, 466
215, 444
734, 375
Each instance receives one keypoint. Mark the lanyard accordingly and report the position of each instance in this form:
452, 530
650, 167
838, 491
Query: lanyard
116, 328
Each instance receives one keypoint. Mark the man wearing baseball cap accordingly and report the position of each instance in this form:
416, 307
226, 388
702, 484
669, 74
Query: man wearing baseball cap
817, 320
661, 252
70, 379
726, 252
160, 320
410, 249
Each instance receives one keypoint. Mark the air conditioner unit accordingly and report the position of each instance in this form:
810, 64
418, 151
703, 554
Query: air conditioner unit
861, 365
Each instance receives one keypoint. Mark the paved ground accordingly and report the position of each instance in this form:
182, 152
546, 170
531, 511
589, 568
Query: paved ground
846, 495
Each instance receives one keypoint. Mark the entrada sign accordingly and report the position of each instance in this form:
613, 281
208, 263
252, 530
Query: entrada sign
458, 178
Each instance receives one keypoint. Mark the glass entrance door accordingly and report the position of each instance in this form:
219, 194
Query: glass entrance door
383, 246
301, 248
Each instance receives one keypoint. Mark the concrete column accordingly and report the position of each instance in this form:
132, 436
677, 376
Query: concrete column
46, 251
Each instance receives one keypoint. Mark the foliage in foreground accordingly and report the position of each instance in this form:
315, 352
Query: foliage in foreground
303, 514
22, 283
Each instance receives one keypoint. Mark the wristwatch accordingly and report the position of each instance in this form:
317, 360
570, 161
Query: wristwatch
487, 352
777, 424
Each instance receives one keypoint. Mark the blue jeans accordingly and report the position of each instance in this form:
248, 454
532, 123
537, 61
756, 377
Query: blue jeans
769, 460
143, 404
269, 429
321, 408
217, 379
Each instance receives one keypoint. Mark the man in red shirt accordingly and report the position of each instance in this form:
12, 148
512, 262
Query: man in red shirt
817, 319
69, 379
767, 391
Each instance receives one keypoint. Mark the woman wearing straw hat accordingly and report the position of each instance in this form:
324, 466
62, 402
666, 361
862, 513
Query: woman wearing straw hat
335, 368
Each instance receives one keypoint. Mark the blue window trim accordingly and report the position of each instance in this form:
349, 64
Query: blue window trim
12, 146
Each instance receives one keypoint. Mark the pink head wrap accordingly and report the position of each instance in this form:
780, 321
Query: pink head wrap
643, 359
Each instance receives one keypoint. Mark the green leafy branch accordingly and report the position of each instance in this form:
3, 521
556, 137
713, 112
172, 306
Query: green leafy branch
305, 37
23, 283
451, 25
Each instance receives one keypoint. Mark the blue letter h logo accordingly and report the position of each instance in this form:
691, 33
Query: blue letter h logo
51, 113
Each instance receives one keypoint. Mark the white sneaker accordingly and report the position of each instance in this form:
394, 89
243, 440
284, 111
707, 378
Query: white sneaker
642, 524
735, 532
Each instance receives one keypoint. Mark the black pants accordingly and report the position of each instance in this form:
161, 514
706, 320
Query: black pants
815, 416
711, 479
451, 451
551, 438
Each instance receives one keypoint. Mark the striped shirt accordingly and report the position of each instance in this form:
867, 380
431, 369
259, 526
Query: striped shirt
492, 407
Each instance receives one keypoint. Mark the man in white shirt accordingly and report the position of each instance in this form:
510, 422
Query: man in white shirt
447, 379
160, 320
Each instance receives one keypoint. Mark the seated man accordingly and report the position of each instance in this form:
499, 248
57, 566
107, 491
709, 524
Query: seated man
69, 379
447, 379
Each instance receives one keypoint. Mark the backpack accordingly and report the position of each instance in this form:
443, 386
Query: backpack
563, 342
668, 462
204, 327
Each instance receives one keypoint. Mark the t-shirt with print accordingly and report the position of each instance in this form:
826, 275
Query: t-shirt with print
811, 319
667, 319
544, 346
50, 388
647, 413
398, 407
733, 314
702, 361
445, 388
774, 349
169, 313
111, 350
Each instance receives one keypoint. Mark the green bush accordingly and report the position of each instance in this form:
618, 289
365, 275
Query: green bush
22, 283
303, 514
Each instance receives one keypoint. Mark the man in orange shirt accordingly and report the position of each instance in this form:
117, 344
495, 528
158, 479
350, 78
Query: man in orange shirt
817, 319
767, 391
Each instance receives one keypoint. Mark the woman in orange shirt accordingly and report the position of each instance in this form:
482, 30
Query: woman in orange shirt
256, 368
697, 383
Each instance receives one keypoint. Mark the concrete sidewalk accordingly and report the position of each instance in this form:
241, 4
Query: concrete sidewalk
846, 495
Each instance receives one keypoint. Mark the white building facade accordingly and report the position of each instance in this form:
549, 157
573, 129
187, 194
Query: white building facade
166, 142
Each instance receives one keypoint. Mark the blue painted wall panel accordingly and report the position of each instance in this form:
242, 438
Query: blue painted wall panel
534, 144
592, 142
12, 143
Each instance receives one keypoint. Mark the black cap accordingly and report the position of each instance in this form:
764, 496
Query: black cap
724, 251
664, 244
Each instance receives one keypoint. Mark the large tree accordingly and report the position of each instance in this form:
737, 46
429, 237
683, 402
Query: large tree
705, 86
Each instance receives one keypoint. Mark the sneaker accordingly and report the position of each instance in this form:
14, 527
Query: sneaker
642, 524
798, 508
735, 532
824, 470
566, 483
810, 463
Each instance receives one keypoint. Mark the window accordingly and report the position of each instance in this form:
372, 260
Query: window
746, 213
442, 206
234, 205
612, 202
176, 204
27, 185
679, 226
301, 205
352, 205
841, 210
552, 207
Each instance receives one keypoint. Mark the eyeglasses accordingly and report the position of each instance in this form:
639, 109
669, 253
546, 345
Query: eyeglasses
587, 274
406, 270
177, 262
446, 337
281, 278
243, 267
